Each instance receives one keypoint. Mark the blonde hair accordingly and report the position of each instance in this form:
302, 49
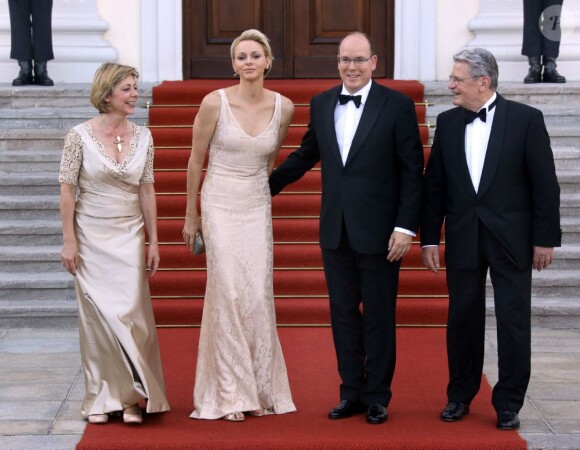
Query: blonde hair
106, 78
260, 38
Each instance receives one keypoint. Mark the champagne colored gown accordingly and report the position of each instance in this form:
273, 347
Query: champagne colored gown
240, 366
119, 348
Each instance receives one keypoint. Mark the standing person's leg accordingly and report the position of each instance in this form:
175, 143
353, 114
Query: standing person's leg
551, 43
512, 295
532, 39
21, 40
41, 40
379, 288
346, 319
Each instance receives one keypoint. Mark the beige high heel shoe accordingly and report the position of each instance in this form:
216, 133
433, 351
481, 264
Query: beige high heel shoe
98, 418
132, 414
234, 417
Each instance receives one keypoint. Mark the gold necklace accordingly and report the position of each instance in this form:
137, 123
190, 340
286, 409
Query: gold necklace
118, 141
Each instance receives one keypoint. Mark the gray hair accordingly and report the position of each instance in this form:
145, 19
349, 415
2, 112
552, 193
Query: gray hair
481, 64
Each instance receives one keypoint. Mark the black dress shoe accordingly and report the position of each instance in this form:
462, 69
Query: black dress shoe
508, 420
454, 411
345, 409
376, 414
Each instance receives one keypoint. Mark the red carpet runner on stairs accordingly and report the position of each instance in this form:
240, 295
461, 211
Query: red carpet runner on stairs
299, 287
301, 298
413, 424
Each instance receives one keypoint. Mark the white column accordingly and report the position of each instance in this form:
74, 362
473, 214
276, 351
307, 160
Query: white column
161, 34
77, 42
415, 39
499, 29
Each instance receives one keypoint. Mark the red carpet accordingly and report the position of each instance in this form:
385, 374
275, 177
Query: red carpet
413, 424
299, 286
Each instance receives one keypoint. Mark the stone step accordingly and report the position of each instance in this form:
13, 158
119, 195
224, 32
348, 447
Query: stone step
551, 283
567, 158
30, 259
30, 232
544, 307
571, 230
71, 95
40, 183
570, 205
57, 118
566, 257
569, 181
24, 207
38, 313
26, 161
36, 286
12, 140
437, 93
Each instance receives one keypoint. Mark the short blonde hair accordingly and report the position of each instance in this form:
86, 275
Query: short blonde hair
256, 36
106, 78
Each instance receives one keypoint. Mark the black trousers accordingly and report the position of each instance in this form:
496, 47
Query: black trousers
364, 341
466, 326
31, 30
535, 43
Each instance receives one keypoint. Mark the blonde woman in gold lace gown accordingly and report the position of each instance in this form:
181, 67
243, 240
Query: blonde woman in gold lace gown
240, 366
107, 202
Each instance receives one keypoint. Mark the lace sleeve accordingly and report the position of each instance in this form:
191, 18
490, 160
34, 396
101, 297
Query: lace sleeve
147, 176
72, 158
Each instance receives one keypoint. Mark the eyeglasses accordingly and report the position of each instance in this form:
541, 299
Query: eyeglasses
343, 61
455, 80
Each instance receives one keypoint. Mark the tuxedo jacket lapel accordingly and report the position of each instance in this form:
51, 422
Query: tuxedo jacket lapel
458, 127
494, 146
328, 115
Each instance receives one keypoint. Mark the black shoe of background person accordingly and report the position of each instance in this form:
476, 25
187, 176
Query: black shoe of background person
25, 75
345, 409
535, 72
551, 75
41, 77
454, 411
376, 414
508, 420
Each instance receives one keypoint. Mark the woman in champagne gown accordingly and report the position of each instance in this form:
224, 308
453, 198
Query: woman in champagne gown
240, 366
110, 161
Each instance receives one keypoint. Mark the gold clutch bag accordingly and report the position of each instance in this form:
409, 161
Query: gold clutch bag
198, 244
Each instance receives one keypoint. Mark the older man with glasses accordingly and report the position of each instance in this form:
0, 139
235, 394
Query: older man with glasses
491, 178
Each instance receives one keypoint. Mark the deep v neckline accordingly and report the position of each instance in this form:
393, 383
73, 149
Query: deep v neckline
240, 126
103, 151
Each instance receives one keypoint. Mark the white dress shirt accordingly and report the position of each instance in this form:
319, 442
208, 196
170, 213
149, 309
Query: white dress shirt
476, 140
346, 119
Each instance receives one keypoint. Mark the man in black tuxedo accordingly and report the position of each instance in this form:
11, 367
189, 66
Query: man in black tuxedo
367, 140
491, 178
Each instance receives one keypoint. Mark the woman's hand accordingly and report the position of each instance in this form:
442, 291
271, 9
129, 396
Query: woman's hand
70, 257
153, 258
190, 228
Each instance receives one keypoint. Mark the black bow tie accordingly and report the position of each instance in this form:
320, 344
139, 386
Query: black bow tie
470, 116
343, 99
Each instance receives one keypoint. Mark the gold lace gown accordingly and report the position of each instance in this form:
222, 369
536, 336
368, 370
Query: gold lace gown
118, 340
240, 366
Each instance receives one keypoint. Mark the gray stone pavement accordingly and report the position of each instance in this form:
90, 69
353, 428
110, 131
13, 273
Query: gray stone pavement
41, 387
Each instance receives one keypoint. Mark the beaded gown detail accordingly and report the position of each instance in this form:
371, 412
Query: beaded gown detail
240, 365
119, 348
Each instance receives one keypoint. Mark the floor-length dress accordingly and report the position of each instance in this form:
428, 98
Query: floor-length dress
119, 348
240, 366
